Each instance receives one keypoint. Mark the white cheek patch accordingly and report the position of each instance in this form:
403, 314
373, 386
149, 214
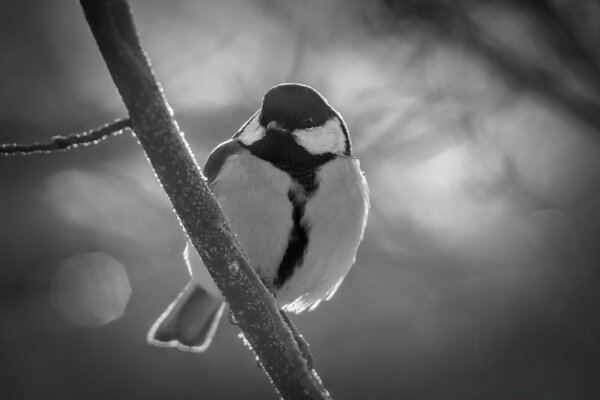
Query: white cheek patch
328, 138
252, 132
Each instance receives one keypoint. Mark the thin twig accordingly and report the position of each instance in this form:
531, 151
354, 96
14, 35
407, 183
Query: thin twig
63, 143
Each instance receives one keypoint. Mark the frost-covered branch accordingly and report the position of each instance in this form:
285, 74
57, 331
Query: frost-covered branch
253, 307
62, 143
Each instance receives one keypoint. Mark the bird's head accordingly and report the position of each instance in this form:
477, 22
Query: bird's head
295, 127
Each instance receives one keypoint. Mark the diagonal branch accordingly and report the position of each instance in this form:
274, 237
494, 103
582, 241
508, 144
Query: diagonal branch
254, 309
62, 143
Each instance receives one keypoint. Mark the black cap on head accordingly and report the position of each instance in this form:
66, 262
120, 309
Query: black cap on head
295, 106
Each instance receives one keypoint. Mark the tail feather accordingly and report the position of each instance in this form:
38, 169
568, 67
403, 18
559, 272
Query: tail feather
190, 322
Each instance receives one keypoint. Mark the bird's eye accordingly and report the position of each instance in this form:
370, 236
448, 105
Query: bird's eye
308, 123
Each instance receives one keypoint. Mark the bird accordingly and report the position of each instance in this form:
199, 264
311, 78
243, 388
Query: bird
296, 198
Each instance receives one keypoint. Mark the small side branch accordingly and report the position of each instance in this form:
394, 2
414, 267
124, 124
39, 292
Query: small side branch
62, 143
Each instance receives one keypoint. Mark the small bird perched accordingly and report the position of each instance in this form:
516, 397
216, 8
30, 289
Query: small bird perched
298, 202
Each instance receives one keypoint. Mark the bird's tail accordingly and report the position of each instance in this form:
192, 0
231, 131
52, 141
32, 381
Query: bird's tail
190, 322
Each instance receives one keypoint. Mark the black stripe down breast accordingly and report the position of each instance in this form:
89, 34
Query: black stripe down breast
298, 240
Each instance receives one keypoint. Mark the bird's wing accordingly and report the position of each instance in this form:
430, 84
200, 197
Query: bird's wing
217, 158
239, 132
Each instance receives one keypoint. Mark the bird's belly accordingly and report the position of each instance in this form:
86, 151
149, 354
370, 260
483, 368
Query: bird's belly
254, 197
335, 217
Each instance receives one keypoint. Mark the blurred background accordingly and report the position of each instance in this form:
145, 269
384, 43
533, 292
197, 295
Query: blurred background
477, 125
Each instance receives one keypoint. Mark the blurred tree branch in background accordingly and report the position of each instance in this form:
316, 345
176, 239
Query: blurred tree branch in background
568, 78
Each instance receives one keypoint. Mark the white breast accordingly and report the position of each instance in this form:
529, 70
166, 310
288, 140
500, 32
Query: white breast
254, 197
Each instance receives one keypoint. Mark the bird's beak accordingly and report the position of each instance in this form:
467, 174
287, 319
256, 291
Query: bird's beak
276, 128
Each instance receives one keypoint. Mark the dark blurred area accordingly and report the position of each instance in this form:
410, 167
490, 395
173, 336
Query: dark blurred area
477, 125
